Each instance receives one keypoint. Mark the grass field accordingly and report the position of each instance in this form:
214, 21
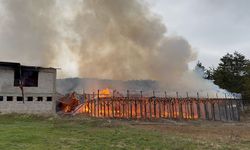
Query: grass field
42, 133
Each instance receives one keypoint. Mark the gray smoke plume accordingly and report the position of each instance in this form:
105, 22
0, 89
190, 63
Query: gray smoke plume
124, 40
112, 39
105, 39
27, 31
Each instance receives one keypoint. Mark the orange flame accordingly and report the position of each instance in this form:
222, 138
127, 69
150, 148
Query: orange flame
105, 93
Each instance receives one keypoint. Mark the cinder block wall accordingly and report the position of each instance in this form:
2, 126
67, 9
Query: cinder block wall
27, 107
46, 89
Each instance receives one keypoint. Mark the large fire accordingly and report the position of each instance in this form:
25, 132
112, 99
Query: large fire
115, 105
105, 93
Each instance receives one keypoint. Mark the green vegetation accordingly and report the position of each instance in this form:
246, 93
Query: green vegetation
232, 74
31, 132
27, 132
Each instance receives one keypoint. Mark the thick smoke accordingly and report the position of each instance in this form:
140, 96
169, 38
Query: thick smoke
124, 40
113, 39
27, 31
107, 39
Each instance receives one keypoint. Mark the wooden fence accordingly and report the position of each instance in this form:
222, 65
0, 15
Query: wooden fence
162, 107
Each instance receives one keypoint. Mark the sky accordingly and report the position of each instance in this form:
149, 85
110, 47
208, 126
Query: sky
213, 28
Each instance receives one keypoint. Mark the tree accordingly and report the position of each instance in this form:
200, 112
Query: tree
200, 69
209, 73
246, 85
203, 72
199, 66
231, 72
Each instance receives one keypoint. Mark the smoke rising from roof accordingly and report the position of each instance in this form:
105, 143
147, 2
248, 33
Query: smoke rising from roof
107, 39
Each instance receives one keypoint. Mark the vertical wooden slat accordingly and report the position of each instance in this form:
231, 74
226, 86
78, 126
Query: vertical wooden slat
170, 109
88, 106
108, 105
123, 107
205, 109
104, 105
131, 109
219, 107
238, 109
230, 109
150, 111
213, 110
198, 105
141, 111
231, 103
180, 101
98, 103
119, 108
225, 103
135, 102
164, 108
91, 105
154, 100
112, 105
167, 109
159, 107
164, 104
173, 109
128, 107
145, 109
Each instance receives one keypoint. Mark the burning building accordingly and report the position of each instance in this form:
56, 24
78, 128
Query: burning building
32, 90
27, 89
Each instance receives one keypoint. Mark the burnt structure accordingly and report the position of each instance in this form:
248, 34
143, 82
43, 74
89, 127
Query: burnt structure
69, 102
152, 107
27, 89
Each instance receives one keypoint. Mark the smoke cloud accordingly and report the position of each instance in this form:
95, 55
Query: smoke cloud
27, 31
124, 40
105, 39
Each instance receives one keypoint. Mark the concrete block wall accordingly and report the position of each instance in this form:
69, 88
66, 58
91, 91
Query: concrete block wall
46, 88
27, 107
46, 82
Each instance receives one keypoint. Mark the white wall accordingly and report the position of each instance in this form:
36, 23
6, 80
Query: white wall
46, 88
33, 107
46, 82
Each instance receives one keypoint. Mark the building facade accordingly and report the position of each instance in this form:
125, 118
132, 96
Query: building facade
27, 89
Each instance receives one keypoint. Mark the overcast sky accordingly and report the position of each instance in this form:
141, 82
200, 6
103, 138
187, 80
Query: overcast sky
212, 27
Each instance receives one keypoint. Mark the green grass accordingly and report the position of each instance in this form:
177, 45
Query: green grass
45, 133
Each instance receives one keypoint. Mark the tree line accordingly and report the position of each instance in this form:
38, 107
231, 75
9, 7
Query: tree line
232, 74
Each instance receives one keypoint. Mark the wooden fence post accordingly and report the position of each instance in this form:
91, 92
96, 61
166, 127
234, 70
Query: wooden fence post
154, 99
198, 105
226, 106
141, 106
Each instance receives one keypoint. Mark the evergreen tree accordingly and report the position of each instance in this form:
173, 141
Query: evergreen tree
246, 85
200, 69
209, 73
231, 72
206, 74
